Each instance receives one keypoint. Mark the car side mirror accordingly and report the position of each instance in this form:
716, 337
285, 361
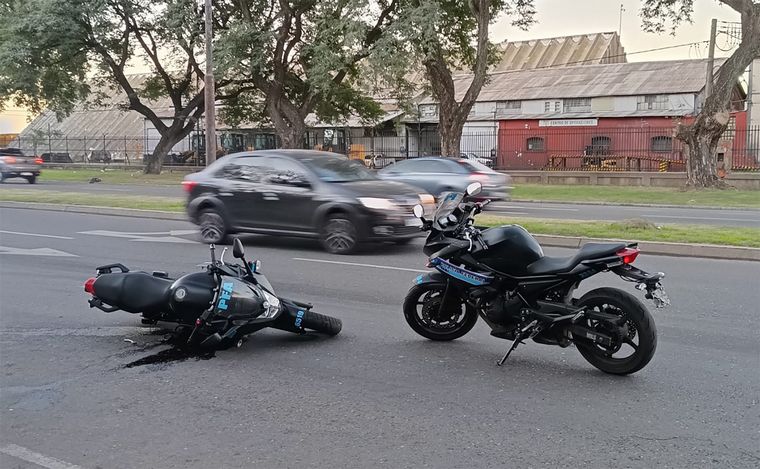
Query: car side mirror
418, 210
238, 251
474, 188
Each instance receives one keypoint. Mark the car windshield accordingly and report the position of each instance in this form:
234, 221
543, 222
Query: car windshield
335, 169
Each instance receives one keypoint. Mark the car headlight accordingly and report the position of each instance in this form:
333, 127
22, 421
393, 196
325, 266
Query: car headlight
426, 199
377, 203
271, 305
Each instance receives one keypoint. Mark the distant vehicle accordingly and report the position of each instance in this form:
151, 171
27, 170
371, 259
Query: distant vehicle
13, 163
56, 158
99, 156
437, 175
301, 193
481, 159
378, 161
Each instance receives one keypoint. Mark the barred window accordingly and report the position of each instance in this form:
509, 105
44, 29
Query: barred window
511, 107
535, 144
428, 110
578, 105
662, 144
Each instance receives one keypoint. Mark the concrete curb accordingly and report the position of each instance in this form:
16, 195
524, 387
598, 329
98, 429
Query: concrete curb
626, 204
709, 251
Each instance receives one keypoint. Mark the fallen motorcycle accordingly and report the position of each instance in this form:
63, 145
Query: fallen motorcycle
216, 307
502, 275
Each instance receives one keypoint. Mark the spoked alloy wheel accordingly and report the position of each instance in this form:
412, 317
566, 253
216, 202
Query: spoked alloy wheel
212, 227
339, 235
429, 316
634, 334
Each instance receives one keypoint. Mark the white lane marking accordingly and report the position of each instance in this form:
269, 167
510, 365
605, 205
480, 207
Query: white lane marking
489, 212
156, 237
702, 218
28, 455
558, 209
357, 264
35, 234
35, 252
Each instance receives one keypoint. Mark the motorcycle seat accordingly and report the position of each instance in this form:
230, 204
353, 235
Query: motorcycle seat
553, 265
134, 292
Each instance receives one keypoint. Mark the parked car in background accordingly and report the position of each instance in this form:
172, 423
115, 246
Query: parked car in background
437, 175
480, 159
378, 161
13, 163
302, 193
99, 156
56, 158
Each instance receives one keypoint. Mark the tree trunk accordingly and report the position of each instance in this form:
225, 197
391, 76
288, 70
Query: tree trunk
289, 125
451, 134
701, 144
155, 161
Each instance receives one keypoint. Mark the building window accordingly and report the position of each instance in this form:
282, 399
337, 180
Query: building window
653, 101
428, 110
508, 107
578, 105
557, 106
535, 144
547, 106
662, 144
600, 145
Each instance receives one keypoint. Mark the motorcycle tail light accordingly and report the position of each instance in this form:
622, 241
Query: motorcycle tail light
89, 286
628, 255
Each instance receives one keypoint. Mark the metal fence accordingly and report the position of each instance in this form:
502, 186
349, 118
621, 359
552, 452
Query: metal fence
540, 148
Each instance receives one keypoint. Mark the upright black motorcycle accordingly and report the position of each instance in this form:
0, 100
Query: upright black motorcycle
216, 307
502, 275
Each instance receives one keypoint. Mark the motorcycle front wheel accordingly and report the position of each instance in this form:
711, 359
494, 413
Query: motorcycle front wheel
632, 349
429, 316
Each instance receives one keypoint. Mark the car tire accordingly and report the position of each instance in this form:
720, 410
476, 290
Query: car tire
31, 179
213, 227
2, 178
339, 234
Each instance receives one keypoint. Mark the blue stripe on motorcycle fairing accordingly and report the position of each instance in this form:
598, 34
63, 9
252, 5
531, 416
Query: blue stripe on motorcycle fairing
473, 278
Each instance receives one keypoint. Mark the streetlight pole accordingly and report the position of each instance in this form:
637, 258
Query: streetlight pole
209, 94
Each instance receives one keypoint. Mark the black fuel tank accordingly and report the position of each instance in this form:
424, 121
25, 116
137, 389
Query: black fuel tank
510, 249
192, 294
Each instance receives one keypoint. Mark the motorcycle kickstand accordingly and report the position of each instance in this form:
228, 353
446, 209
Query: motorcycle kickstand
517, 341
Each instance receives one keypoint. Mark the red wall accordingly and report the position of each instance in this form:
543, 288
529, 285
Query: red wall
629, 136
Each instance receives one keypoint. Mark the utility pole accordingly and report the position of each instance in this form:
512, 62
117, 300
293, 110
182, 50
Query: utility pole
209, 94
711, 59
620, 22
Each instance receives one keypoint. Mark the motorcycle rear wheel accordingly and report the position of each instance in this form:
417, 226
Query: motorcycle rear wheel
641, 337
423, 313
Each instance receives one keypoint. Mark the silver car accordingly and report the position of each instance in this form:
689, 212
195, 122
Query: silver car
437, 175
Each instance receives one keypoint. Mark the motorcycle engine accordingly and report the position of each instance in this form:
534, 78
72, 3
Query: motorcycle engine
504, 310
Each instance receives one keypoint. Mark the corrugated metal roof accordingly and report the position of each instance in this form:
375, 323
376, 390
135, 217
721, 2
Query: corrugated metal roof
567, 50
587, 81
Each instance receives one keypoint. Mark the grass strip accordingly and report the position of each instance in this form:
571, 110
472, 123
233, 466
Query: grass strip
112, 176
168, 204
639, 195
635, 230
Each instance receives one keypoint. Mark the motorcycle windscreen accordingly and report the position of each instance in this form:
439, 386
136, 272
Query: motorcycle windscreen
448, 202
238, 300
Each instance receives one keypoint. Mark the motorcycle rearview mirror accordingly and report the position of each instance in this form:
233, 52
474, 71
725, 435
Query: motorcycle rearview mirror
474, 188
418, 210
238, 251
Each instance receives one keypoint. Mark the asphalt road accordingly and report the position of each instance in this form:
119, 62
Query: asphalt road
657, 215
377, 395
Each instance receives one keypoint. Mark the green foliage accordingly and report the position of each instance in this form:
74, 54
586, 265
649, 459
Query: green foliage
657, 14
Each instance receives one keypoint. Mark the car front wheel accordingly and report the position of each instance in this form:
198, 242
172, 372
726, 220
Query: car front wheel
212, 227
339, 234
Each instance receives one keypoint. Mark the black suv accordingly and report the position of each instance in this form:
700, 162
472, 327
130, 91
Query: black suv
301, 193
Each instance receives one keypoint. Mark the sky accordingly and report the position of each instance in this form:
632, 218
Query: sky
571, 17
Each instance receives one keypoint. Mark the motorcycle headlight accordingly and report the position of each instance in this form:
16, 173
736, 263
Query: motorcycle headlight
271, 305
377, 203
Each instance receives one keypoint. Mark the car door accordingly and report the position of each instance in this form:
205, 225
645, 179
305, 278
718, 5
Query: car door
288, 195
242, 190
432, 175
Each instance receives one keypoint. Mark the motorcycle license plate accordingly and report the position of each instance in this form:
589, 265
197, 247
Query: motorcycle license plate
413, 222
